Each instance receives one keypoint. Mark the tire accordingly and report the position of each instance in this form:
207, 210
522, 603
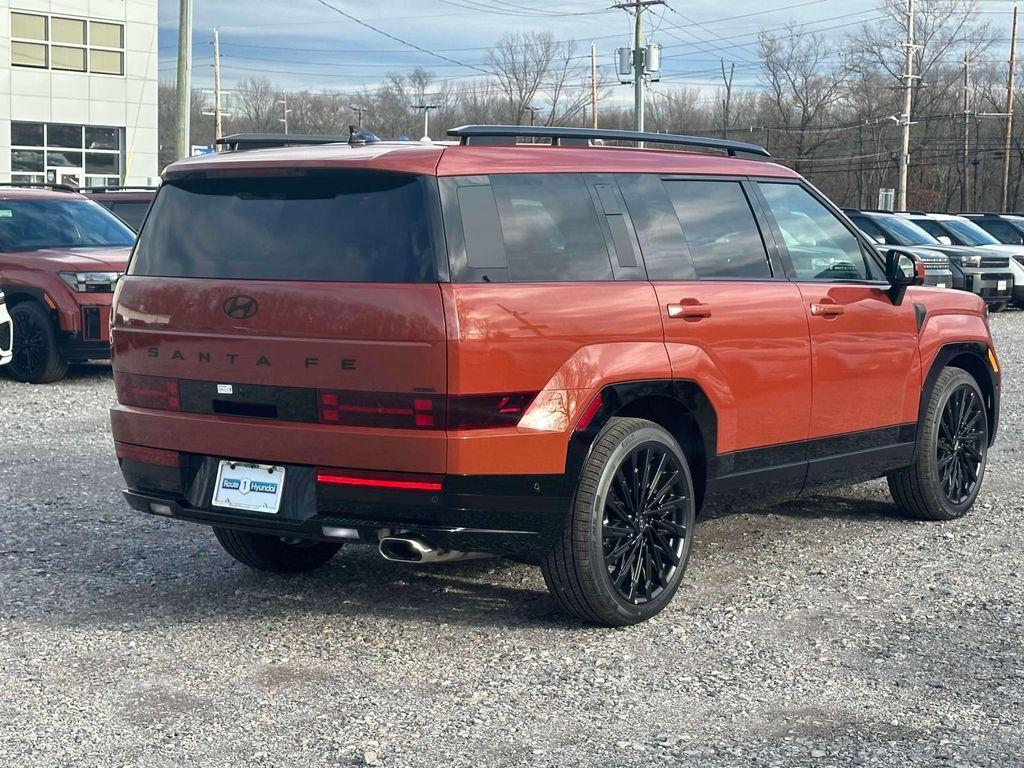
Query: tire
949, 463
996, 306
37, 358
274, 554
647, 552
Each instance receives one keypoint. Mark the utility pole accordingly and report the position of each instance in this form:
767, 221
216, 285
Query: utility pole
908, 96
637, 7
284, 103
727, 101
359, 113
965, 194
426, 118
184, 79
593, 84
217, 124
533, 113
1009, 112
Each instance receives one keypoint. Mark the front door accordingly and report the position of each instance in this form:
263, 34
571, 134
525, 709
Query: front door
865, 364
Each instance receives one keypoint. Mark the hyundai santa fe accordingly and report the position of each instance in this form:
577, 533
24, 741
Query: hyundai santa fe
60, 257
554, 351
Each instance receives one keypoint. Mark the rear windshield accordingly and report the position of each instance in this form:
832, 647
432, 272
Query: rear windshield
28, 225
352, 227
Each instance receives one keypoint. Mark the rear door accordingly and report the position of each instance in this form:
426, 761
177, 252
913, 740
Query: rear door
864, 349
731, 319
301, 316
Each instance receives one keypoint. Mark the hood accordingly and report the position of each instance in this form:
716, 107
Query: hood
1010, 250
78, 259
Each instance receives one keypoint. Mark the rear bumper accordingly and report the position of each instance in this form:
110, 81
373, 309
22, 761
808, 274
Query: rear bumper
509, 515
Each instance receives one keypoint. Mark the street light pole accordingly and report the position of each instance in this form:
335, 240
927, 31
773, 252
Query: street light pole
184, 79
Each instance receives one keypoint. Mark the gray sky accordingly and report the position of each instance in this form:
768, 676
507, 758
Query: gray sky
305, 44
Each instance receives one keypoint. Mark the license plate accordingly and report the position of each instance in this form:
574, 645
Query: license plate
1001, 285
941, 285
250, 487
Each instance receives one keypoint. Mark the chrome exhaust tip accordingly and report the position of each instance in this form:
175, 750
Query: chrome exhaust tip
413, 549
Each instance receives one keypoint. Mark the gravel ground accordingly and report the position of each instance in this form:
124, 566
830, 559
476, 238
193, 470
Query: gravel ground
829, 632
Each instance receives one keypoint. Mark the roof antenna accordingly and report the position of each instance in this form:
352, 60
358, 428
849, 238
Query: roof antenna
359, 137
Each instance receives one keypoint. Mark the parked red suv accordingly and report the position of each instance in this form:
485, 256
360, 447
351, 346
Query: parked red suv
129, 204
556, 351
60, 257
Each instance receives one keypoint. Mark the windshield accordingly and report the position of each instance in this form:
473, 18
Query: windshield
969, 232
903, 232
28, 225
357, 226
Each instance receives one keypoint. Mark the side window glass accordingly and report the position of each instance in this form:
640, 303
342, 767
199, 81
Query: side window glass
550, 228
819, 244
719, 228
657, 227
1003, 232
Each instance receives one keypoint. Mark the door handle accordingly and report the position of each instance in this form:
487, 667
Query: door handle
826, 308
689, 309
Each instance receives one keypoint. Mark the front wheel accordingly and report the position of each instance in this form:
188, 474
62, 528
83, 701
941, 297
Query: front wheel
996, 306
949, 464
273, 553
626, 544
37, 358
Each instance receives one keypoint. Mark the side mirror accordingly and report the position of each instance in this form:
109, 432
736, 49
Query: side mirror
945, 239
902, 269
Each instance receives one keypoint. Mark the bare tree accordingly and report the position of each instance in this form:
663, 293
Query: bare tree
256, 99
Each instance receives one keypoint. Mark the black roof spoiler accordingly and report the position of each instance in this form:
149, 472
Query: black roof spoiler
561, 136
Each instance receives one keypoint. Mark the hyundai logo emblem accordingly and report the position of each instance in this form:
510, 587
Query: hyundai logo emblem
241, 307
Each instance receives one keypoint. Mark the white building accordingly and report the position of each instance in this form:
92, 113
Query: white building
78, 91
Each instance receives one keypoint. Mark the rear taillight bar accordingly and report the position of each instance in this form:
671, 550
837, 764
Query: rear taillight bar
144, 455
391, 481
421, 411
147, 391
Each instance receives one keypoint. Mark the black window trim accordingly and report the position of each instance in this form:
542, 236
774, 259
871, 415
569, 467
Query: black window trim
774, 255
866, 245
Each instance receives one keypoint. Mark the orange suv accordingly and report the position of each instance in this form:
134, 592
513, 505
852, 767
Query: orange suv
558, 351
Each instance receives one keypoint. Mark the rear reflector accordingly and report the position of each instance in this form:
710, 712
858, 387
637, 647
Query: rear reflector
146, 455
147, 391
382, 480
380, 409
484, 411
589, 413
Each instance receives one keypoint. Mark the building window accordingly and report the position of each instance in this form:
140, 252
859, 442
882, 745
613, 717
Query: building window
65, 153
73, 45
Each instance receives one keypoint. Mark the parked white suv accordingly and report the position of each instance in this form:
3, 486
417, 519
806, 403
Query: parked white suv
6, 333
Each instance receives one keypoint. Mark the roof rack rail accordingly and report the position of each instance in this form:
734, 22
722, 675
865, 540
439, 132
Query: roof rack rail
484, 134
237, 142
242, 141
118, 188
40, 185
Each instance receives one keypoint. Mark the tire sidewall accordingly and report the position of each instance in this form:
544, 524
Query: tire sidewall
629, 613
50, 360
931, 469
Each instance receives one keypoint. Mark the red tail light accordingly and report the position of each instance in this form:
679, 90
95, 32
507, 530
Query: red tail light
484, 411
147, 391
380, 409
146, 455
384, 480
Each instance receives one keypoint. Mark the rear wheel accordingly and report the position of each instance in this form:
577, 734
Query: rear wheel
625, 547
949, 466
275, 554
37, 358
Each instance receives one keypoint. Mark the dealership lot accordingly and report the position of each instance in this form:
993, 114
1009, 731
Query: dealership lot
827, 632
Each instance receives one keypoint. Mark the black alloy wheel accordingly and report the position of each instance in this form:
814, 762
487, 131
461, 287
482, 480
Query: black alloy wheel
645, 525
961, 444
623, 551
36, 359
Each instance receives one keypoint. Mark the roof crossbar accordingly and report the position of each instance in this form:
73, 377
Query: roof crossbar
494, 134
40, 185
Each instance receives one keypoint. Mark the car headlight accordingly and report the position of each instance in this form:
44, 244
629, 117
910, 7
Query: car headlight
91, 282
969, 261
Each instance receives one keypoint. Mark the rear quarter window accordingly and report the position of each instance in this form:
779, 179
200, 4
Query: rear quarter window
367, 227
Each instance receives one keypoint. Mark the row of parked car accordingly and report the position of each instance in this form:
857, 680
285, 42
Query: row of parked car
62, 252
978, 252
